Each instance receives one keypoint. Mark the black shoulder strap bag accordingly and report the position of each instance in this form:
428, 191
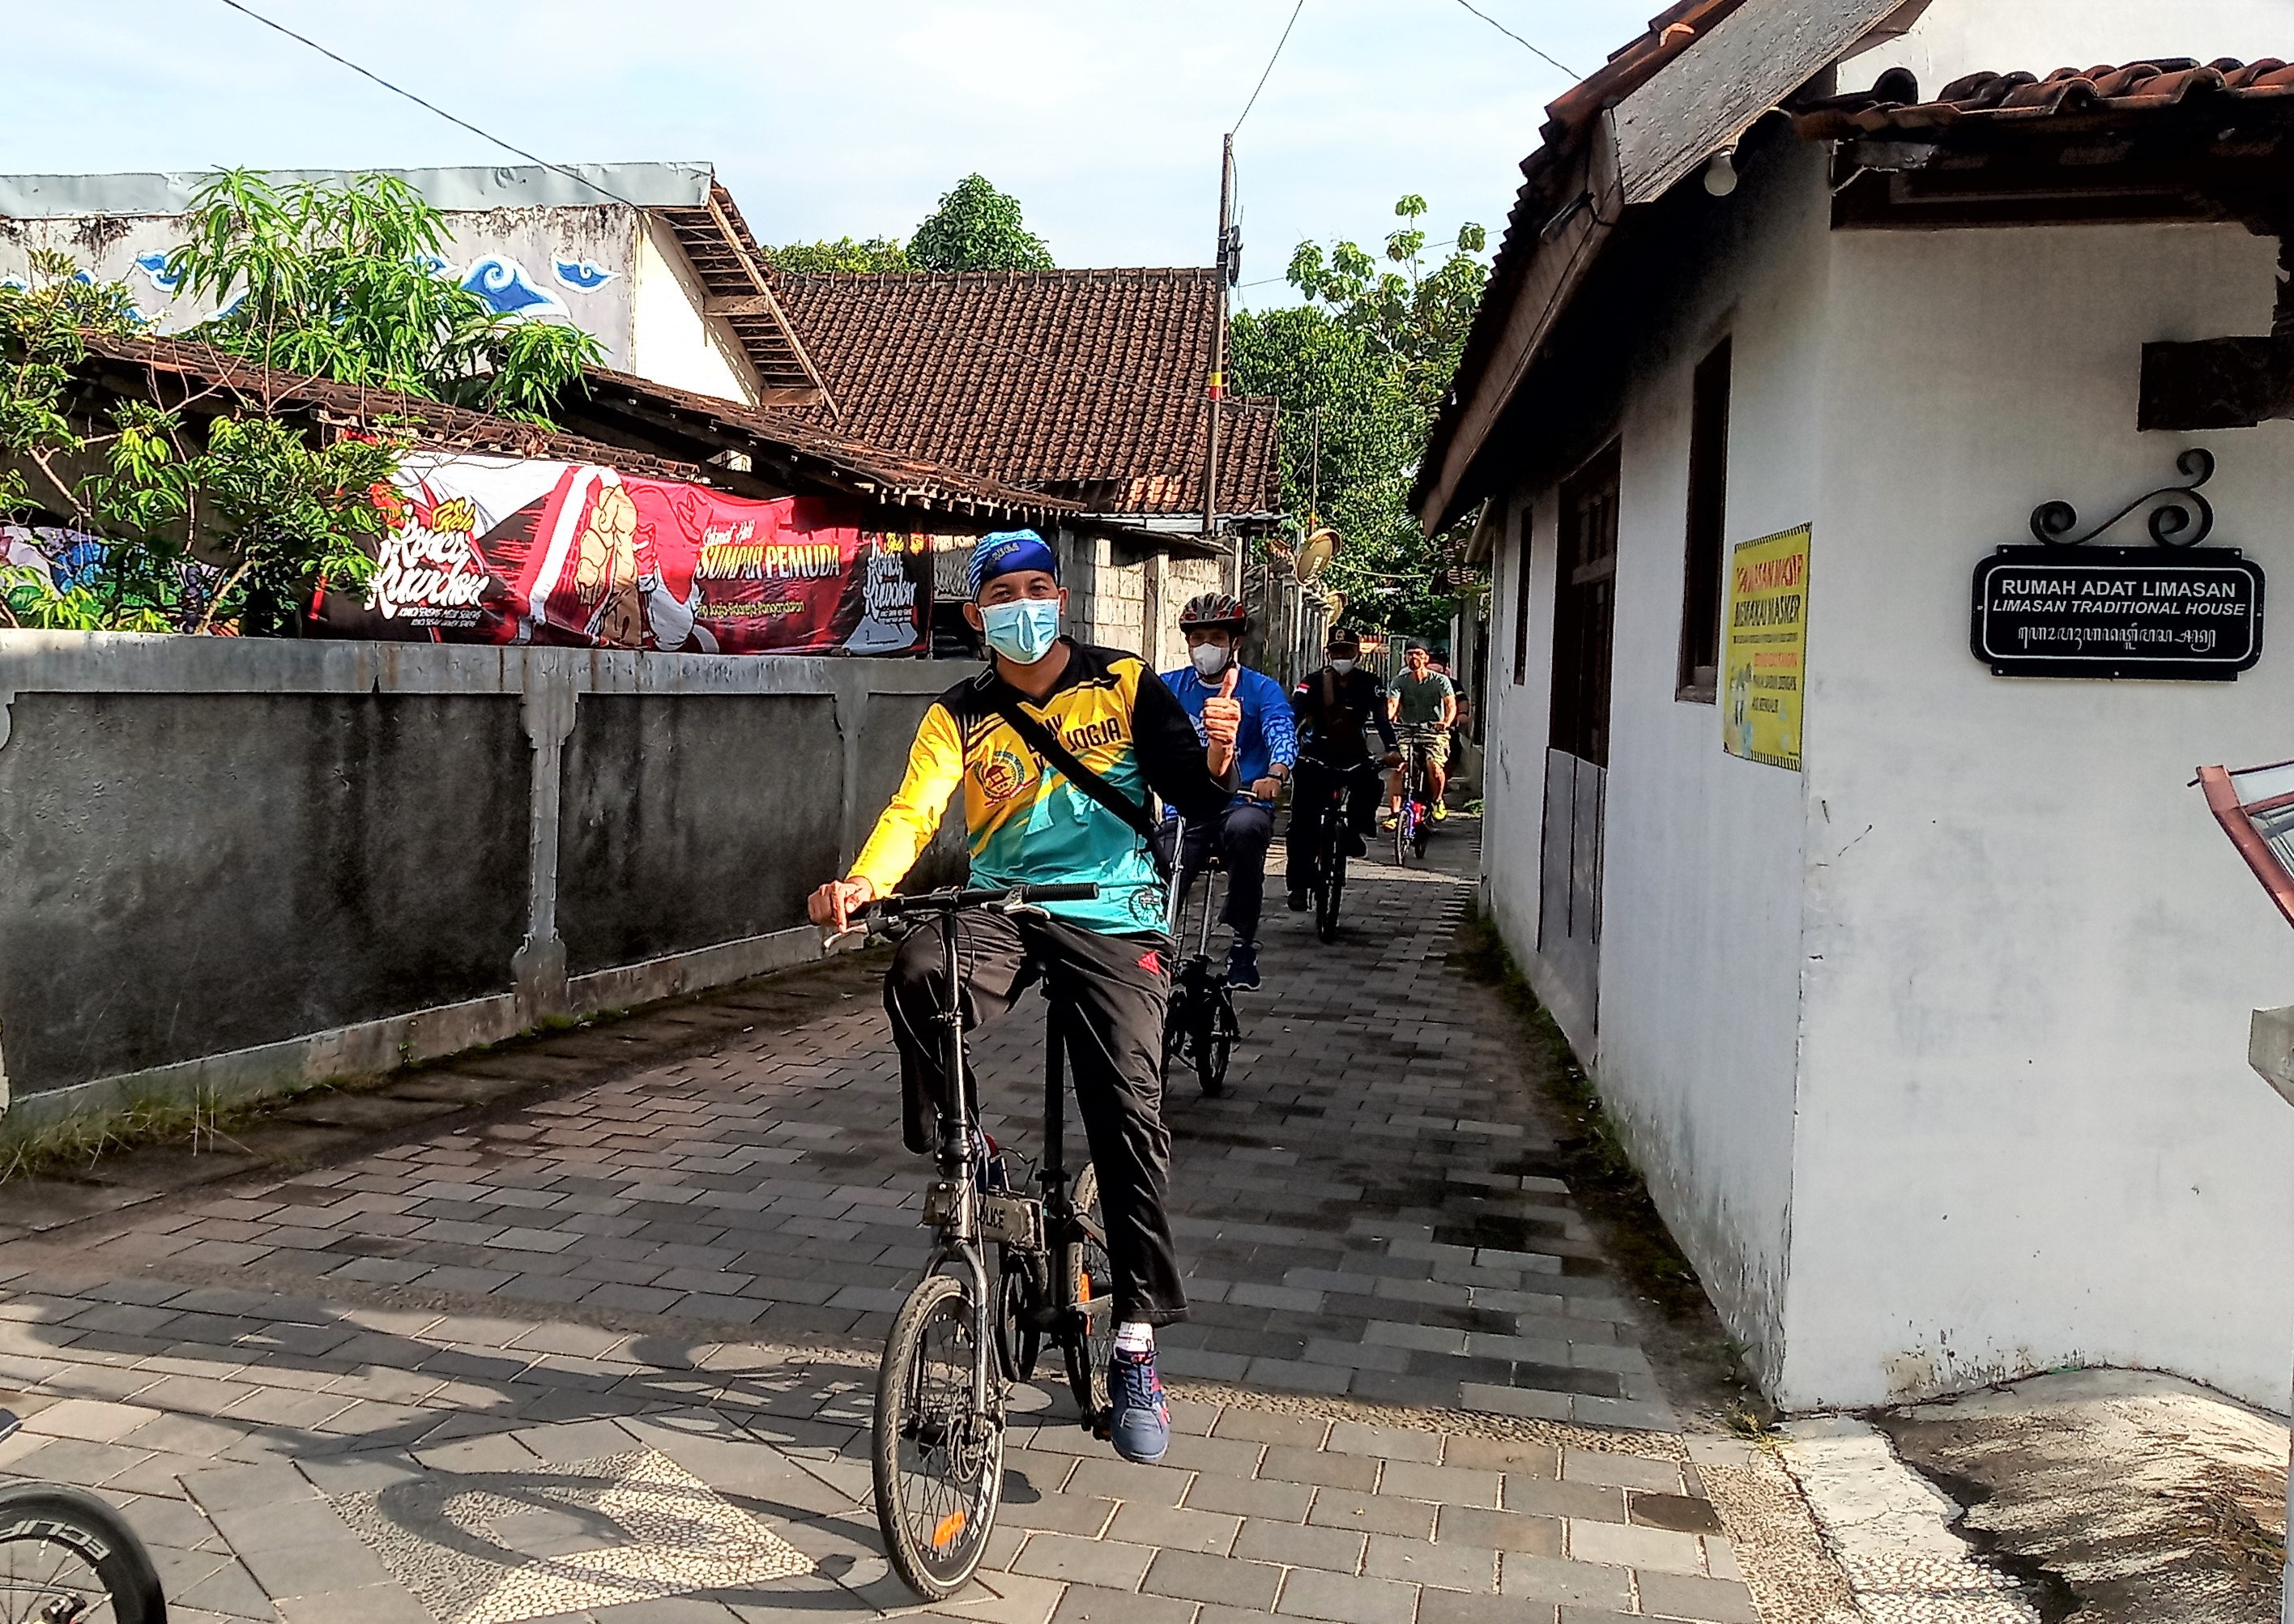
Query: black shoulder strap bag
1045, 744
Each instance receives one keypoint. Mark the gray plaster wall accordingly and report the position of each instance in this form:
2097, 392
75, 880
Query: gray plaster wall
231, 867
693, 819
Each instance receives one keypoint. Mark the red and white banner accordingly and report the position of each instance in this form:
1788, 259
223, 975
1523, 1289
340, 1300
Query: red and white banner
498, 550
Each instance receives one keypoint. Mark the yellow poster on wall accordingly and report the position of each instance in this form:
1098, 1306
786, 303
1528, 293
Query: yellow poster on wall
1764, 659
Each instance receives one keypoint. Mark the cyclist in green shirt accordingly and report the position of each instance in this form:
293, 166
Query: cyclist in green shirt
1424, 703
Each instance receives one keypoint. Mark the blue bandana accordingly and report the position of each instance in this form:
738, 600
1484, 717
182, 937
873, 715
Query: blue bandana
1008, 550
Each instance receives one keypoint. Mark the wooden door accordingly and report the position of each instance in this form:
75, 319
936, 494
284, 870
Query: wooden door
1577, 755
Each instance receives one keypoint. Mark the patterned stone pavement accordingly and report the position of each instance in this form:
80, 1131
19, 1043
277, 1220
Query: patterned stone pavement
605, 1354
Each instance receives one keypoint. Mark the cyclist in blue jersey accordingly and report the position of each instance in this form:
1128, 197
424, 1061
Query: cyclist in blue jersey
1265, 752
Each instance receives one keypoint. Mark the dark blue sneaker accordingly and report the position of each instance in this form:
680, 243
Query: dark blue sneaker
1139, 1420
1242, 966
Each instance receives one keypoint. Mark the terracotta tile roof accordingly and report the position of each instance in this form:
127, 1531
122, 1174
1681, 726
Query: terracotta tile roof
790, 446
634, 425
1088, 384
178, 372
2102, 96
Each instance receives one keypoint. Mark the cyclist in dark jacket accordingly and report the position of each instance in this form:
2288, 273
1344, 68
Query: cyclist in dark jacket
1332, 707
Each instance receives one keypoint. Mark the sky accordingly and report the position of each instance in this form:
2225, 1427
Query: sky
852, 117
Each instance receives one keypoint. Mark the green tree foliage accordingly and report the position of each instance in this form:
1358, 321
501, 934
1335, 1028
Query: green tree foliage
282, 511
333, 280
1375, 349
977, 228
339, 280
845, 256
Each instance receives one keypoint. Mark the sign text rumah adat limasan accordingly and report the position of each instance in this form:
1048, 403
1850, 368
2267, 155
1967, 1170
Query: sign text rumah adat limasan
2117, 612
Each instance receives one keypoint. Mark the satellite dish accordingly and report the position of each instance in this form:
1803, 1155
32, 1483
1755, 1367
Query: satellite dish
1315, 554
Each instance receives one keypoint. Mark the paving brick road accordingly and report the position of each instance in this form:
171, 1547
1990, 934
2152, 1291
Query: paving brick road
606, 1354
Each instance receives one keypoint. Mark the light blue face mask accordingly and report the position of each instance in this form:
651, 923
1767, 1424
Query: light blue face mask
1023, 631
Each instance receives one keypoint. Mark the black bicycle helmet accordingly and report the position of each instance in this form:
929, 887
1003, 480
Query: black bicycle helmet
1212, 610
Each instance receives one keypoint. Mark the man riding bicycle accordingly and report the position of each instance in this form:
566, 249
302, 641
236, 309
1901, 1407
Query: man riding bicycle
1332, 708
1031, 822
1425, 702
1266, 750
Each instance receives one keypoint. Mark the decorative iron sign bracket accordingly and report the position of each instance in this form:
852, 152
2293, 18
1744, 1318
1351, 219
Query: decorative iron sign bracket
2166, 611
2182, 518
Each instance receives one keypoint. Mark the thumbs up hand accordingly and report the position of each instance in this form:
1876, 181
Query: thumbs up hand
1222, 723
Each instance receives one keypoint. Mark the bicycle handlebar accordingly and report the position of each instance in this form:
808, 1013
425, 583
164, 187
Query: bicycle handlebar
953, 900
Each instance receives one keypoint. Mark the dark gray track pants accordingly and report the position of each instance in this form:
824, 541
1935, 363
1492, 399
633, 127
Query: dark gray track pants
1111, 991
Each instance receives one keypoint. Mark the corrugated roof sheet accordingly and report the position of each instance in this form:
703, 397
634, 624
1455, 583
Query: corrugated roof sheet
1893, 107
1091, 384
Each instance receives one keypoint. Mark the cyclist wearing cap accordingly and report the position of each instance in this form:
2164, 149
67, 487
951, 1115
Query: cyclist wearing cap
1333, 707
1267, 748
1101, 962
1425, 702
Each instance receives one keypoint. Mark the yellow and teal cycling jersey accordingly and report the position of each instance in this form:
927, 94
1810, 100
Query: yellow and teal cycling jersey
1024, 822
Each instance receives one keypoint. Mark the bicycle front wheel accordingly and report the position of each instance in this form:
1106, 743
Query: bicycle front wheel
1091, 1294
65, 1554
939, 1459
1215, 1040
1327, 891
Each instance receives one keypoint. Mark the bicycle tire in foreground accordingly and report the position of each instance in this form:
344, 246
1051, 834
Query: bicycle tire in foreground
67, 1558
939, 1462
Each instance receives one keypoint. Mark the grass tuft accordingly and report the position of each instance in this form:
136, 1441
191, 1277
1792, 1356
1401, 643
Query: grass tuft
72, 1146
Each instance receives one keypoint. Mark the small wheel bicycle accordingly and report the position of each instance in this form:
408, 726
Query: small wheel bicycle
67, 1558
964, 1334
1414, 822
1200, 1026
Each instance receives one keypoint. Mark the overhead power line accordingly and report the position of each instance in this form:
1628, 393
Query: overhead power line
1500, 27
400, 89
1270, 65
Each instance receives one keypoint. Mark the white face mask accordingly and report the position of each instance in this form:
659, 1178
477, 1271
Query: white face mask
1343, 667
1209, 659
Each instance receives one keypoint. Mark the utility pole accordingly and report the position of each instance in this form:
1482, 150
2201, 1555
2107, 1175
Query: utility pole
1314, 475
1227, 270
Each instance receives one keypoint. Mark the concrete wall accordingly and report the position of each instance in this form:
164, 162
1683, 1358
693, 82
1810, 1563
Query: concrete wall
239, 865
2029, 1135
1693, 1044
1120, 599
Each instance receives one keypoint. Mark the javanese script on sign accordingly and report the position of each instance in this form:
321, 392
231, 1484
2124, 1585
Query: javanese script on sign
2117, 612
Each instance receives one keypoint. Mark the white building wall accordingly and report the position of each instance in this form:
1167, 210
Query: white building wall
1515, 722
524, 249
1956, 38
672, 340
2028, 1136
1700, 951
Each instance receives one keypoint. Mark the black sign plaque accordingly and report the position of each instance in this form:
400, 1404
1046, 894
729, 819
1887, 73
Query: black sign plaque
2117, 612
